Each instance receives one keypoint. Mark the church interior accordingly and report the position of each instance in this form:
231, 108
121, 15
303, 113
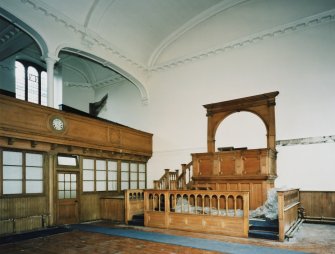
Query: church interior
167, 126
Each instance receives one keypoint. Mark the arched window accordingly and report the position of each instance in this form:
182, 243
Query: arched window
31, 82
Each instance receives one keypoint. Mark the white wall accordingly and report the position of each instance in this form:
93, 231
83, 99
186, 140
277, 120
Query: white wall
298, 65
78, 97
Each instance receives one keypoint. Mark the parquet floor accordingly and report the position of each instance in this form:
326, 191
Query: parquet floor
311, 238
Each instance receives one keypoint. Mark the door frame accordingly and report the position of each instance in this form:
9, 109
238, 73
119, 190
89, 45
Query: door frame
67, 170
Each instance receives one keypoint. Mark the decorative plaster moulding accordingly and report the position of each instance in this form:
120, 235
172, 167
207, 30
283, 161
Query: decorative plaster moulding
295, 26
205, 15
99, 84
89, 39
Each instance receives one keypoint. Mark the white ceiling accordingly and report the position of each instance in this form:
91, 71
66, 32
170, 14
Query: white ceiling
135, 27
155, 34
145, 31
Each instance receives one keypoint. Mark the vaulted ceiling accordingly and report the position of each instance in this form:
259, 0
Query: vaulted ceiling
154, 34
135, 27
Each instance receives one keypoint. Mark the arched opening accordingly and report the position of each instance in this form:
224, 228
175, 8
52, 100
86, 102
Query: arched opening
22, 69
87, 79
241, 129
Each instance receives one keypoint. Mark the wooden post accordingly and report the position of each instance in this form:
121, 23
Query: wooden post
281, 219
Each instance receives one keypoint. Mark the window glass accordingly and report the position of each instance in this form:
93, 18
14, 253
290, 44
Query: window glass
112, 185
34, 186
101, 175
101, 185
88, 164
141, 185
101, 165
67, 187
133, 185
12, 158
34, 159
88, 175
34, 173
33, 89
141, 176
112, 175
30, 83
141, 167
12, 172
88, 186
67, 160
20, 88
112, 165
124, 175
44, 88
12, 187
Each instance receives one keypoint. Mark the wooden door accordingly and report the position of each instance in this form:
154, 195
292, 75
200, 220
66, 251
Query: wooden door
67, 198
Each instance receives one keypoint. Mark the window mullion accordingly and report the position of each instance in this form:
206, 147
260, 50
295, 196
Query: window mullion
26, 82
39, 87
95, 175
1, 169
24, 173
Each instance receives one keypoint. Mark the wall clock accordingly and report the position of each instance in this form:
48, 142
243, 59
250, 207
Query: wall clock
57, 123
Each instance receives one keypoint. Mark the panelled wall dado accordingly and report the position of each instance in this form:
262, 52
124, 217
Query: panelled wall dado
57, 167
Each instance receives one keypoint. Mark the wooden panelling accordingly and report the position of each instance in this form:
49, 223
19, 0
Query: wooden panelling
256, 163
252, 165
90, 207
288, 203
227, 165
67, 212
7, 227
318, 204
80, 131
206, 167
21, 207
134, 203
249, 170
113, 208
18, 214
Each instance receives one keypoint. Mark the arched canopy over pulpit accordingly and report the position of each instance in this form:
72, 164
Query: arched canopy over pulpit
262, 105
252, 170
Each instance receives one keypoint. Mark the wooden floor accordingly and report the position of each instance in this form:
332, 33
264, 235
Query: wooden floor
311, 238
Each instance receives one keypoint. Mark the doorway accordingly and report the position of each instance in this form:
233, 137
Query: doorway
67, 198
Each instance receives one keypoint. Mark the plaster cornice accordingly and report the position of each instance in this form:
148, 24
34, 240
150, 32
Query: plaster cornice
203, 16
99, 84
295, 26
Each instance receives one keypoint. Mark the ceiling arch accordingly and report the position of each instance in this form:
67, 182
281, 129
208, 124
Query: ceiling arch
201, 17
117, 73
28, 36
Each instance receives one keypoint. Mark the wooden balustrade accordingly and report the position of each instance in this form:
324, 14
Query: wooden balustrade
134, 204
288, 204
198, 210
173, 181
184, 179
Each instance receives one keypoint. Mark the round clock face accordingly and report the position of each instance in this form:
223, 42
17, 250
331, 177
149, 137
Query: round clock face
58, 124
